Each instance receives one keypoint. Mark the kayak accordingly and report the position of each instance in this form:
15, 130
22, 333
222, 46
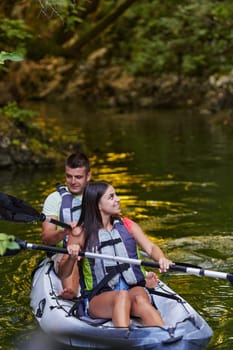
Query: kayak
184, 328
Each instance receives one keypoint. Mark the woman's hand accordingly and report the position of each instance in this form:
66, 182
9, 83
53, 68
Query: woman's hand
164, 264
74, 250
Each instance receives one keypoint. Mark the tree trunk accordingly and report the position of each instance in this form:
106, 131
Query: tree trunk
99, 28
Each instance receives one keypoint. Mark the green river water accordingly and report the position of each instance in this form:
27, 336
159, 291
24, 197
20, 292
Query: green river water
173, 172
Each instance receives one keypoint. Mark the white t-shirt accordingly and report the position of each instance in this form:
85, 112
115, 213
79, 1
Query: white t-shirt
52, 204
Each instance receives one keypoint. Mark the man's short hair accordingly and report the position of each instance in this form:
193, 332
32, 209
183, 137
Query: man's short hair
78, 160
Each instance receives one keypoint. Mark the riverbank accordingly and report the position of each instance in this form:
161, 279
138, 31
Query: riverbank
27, 140
95, 83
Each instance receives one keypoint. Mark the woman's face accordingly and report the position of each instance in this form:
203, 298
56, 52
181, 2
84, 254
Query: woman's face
109, 203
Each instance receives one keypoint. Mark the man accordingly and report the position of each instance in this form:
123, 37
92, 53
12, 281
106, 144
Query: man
64, 205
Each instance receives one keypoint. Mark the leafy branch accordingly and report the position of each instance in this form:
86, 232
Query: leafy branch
7, 242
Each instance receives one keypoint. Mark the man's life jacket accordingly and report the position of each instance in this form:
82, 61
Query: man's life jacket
118, 242
70, 209
70, 206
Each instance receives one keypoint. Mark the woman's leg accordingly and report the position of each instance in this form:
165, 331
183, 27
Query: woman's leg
141, 307
114, 305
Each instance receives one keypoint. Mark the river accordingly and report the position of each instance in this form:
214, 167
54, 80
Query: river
173, 172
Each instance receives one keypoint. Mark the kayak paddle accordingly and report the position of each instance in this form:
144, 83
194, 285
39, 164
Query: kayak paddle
16, 210
6, 249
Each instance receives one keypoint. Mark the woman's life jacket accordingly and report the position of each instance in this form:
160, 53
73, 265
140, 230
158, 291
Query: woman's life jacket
118, 242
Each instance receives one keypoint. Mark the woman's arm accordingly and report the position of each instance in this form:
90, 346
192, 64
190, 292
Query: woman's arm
150, 248
67, 262
74, 245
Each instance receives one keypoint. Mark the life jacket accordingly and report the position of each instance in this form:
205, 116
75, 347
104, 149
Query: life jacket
118, 242
70, 207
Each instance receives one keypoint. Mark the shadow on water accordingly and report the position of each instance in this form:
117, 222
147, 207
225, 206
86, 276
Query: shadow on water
36, 340
172, 171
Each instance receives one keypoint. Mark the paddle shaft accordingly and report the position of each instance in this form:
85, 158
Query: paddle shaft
175, 267
42, 217
153, 264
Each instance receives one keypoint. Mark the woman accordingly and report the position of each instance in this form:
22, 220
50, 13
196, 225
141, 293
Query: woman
100, 229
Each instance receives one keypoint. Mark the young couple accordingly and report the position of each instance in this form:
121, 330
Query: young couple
101, 229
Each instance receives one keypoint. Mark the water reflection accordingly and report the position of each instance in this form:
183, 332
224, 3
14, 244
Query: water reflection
172, 171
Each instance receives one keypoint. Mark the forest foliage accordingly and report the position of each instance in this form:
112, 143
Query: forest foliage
191, 37
148, 39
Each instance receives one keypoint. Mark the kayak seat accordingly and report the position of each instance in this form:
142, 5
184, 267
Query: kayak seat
78, 311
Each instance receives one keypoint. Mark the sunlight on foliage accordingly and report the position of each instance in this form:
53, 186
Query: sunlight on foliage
14, 29
14, 112
14, 37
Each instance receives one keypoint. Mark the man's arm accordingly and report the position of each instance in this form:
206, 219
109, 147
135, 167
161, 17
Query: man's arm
51, 234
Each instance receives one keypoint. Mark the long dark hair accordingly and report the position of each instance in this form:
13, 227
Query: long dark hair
90, 217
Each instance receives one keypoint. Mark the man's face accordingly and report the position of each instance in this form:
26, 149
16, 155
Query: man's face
76, 179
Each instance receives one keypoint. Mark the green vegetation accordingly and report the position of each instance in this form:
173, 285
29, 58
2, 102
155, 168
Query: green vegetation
13, 56
7, 242
149, 39
191, 37
14, 38
20, 116
24, 131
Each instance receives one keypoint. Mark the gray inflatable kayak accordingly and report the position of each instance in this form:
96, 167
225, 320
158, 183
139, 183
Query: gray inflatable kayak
185, 329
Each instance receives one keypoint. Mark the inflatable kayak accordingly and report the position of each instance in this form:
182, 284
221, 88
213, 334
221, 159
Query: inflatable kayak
185, 329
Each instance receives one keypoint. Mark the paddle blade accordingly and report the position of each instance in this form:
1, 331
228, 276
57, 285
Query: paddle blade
230, 278
14, 209
11, 252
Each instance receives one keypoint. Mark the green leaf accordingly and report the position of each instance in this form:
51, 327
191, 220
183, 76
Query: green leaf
3, 247
12, 56
3, 236
7, 242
